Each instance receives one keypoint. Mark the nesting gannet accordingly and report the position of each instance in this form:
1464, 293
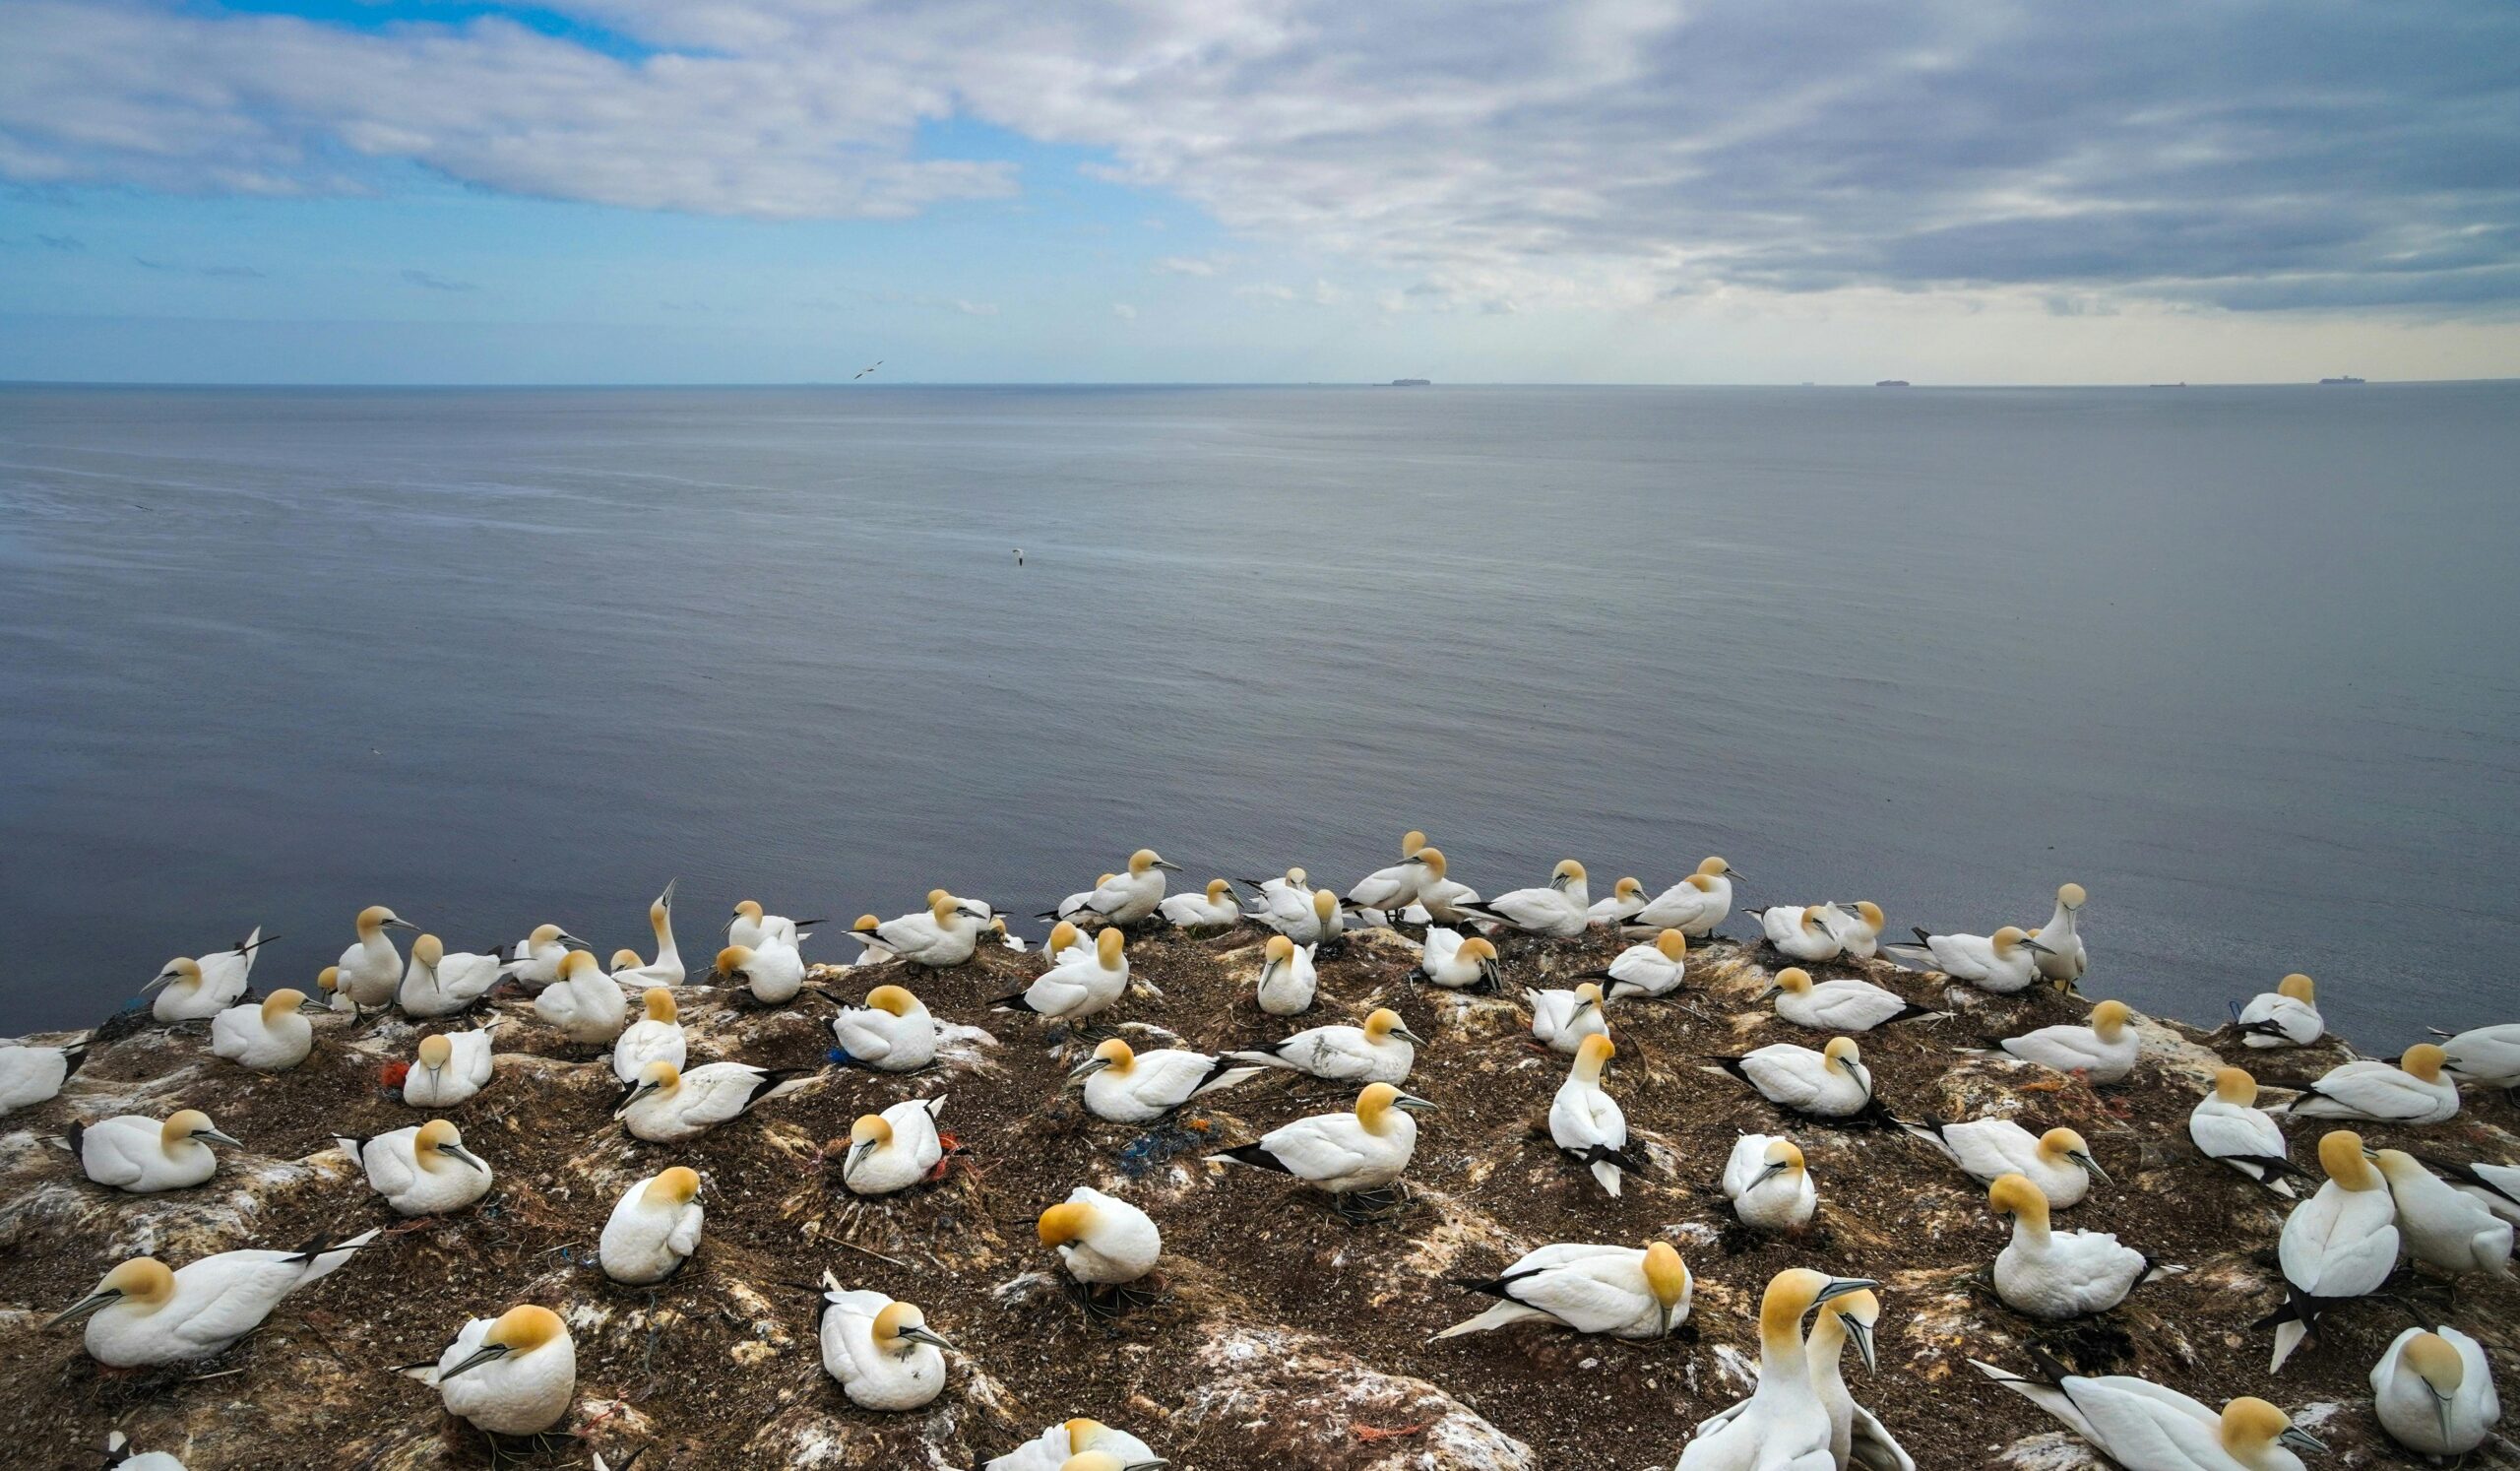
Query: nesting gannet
1287, 977
2143, 1426
654, 1230
1215, 908
1783, 1426
894, 1149
438, 983
269, 1036
774, 972
1586, 1122
1455, 963
1440, 895
2442, 1228
945, 933
199, 990
1858, 933
143, 1313
2003, 962
2286, 1016
2412, 1091
1560, 908
1122, 1086
2060, 1274
582, 1002
2102, 1051
2065, 957
1565, 1018
32, 1075
748, 926
1694, 906
1064, 937
1832, 1083
2341, 1243
1838, 1005
1800, 932
1388, 891
2058, 1162
452, 1067
1104, 1241
1052, 1449
1769, 1185
1856, 1437
1627, 896
2227, 1126
2433, 1393
892, 1032
1314, 920
1122, 898
371, 970
1082, 984
331, 996
1362, 1152
1623, 1292
536, 959
666, 969
119, 1456
879, 1349
510, 1376
1383, 1051
667, 1106
423, 1170
141, 1155
1653, 969
2495, 1187
2489, 1057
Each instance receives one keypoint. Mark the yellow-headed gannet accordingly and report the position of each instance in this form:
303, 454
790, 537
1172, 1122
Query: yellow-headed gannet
1858, 933
452, 1067
2440, 1227
371, 969
142, 1313
1560, 908
2003, 962
1287, 977
1856, 1437
1623, 1292
655, 1228
1585, 1122
894, 1149
666, 969
2065, 957
1216, 909
439, 984
1654, 968
667, 1106
2341, 1243
1565, 1018
1838, 1005
1383, 1051
774, 972
1359, 1153
2060, 1274
1769, 1185
892, 1032
1830, 1083
2286, 1016
32, 1075
1052, 1447
536, 959
1122, 898
945, 933
421, 1171
2433, 1393
2414, 1090
1387, 891
199, 990
330, 994
510, 1376
2102, 1051
1783, 1426
137, 1153
1441, 896
1125, 1086
1104, 1241
2143, 1426
266, 1036
655, 1037
1455, 963
1627, 896
748, 926
2227, 1126
1800, 932
880, 1350
2058, 1162
582, 1002
1080, 984
1694, 906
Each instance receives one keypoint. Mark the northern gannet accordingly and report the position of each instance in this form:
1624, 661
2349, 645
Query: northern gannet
2003, 962
422, 1171
655, 1228
748, 926
582, 1002
1585, 1122
1783, 1426
1122, 898
2433, 1393
143, 1313
1768, 1184
1215, 908
2489, 1057
879, 1349
2103, 1052
437, 984
774, 972
892, 1032
1565, 1018
2058, 1162
894, 1149
1800, 932
2286, 1016
1125, 1086
667, 1106
1560, 908
1858, 933
2412, 1091
137, 1153
32, 1075
666, 969
1287, 977
2143, 1426
329, 995
1856, 1437
1317, 920
1383, 1051
2341, 1243
2060, 1274
1832, 1083
452, 1067
2227, 1126
1081, 984
1052, 1449
1362, 1152
2065, 957
946, 934
536, 959
199, 990
1104, 1241
269, 1036
1063, 939
1623, 1292
119, 1456
2440, 1227
1694, 906
1455, 963
1838, 1005
1387, 891
1439, 895
370, 970
510, 1376
1627, 896
1655, 967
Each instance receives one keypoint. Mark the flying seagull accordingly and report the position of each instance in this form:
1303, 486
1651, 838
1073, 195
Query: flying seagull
868, 368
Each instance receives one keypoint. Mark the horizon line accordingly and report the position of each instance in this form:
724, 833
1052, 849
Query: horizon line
842, 383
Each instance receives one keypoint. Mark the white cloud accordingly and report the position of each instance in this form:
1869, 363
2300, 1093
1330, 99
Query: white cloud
1185, 265
1124, 311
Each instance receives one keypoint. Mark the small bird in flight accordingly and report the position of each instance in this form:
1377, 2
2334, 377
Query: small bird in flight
868, 368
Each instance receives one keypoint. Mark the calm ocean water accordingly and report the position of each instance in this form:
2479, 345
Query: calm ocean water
2240, 661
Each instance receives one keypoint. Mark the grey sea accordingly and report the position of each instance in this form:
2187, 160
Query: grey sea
2241, 662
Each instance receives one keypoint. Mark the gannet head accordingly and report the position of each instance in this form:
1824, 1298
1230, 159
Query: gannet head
1666, 1277
1815, 919
281, 1003
519, 1330
1700, 883
1107, 947
901, 1327
1385, 1024
865, 924
2299, 988
436, 1140
1714, 868
2250, 1426
1062, 934
428, 950
329, 980
1065, 1222
658, 1002
1673, 944
178, 972
2008, 938
731, 962
143, 1280
1593, 1055
1588, 997
748, 909
577, 963
661, 909
1842, 1055
2424, 1060
2013, 1196
191, 1123
1277, 952
1782, 1157
1795, 1292
1297, 877
1628, 888
1566, 873
625, 960
673, 1186
1112, 1054
2070, 895
1325, 904
2109, 1020
377, 917
1480, 948
1873, 918
2234, 1086
2438, 1364
1792, 981
893, 1000
1218, 890
1375, 1103
1411, 842
544, 934
2064, 1146
1084, 1435
942, 909
1433, 859
656, 1077
1146, 857
2341, 1156
871, 1131
1856, 1312
436, 1051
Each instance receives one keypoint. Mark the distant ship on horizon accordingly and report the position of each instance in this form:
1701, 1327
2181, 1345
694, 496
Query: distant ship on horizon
1892, 383
1413, 382
2344, 382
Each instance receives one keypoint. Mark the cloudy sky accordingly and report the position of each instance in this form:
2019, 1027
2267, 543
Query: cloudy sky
1258, 190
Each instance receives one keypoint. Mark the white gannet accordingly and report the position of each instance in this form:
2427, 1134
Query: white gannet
437, 984
582, 1002
1565, 1018
2143, 1426
1289, 891
32, 1075
2286, 1016
894, 1149
1064, 937
2058, 1162
2412, 1091
1623, 1292
1362, 1152
1586, 1122
452, 1067
331, 996
536, 959
1104, 1241
2433, 1393
372, 969
879, 1349
1313, 920
2060, 1274
667, 1106
142, 1313
1838, 1005
2065, 957
773, 973
1769, 1185
119, 1456
1082, 984
1122, 898
2003, 962
1627, 896
1562, 908
1441, 896
199, 990
1287, 977
1215, 908
1383, 1051
1783, 1426
1856, 1437
1694, 906
946, 934
422, 1171
1858, 933
2227, 1126
266, 1036
892, 1032
2489, 1057
2341, 1243
2442, 1228
510, 1376
2103, 1052
1123, 1086
137, 1153
654, 1230
666, 969
1387, 891
748, 926
1800, 932
1053, 1449
1830, 1083
1455, 963
1655, 967
2495, 1187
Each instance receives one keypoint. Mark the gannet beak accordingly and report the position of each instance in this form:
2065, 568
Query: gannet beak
567, 939
1769, 993
1583, 1005
1407, 1036
1735, 875
856, 1152
466, 1156
2301, 1438
636, 1093
217, 1137
161, 979
2092, 1165
1413, 1103
480, 1356
969, 913
1166, 864
1087, 1069
2441, 1408
1862, 1333
398, 925
2033, 944
921, 1335
1839, 1287
1145, 1465
83, 1308
1779, 1167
